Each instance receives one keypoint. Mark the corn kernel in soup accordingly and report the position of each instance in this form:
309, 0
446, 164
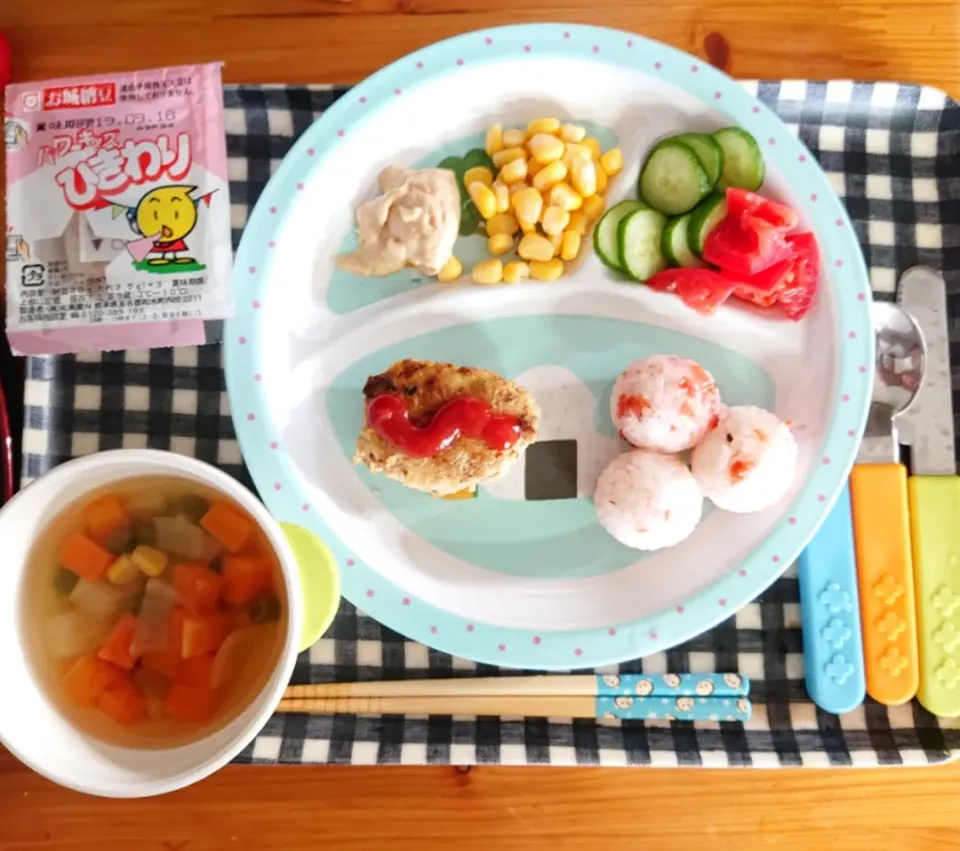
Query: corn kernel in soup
155, 612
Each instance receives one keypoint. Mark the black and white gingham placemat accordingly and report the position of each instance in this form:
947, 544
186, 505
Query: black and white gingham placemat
891, 151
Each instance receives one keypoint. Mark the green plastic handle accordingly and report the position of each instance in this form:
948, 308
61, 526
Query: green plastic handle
935, 530
319, 582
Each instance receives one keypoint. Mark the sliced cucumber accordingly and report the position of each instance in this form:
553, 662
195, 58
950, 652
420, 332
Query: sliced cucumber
605, 233
639, 238
675, 243
673, 181
704, 219
743, 165
708, 151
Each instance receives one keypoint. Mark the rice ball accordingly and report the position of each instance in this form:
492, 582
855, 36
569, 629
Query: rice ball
747, 462
665, 403
647, 501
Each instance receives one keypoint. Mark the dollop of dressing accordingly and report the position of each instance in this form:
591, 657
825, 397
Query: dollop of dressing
414, 222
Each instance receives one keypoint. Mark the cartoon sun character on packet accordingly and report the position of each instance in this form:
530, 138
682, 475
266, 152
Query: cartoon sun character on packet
165, 217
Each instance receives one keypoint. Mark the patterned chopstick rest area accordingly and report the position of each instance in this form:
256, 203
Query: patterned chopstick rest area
886, 149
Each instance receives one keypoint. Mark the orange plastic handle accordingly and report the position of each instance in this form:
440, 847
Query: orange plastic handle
881, 532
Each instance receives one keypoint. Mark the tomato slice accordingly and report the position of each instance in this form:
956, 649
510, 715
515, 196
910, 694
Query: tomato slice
745, 245
765, 287
791, 284
796, 296
743, 203
702, 289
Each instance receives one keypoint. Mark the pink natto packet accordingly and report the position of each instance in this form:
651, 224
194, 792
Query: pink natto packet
118, 210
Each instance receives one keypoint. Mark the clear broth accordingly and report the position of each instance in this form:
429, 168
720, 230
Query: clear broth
40, 600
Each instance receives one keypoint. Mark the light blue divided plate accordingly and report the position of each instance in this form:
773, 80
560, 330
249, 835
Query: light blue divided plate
522, 575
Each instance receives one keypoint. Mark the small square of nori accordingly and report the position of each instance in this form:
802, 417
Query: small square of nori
551, 470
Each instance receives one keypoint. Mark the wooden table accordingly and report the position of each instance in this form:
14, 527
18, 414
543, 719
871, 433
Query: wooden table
494, 809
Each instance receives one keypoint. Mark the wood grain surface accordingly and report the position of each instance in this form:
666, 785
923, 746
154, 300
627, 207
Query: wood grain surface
418, 809
267, 808
342, 41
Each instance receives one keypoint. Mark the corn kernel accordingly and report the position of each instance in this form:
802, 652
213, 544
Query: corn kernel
513, 171
545, 148
579, 223
556, 240
500, 243
563, 195
533, 167
494, 141
478, 174
528, 205
570, 247
549, 176
502, 223
546, 270
122, 571
484, 198
527, 226
594, 206
150, 561
507, 155
514, 138
611, 162
594, 146
572, 133
602, 182
519, 186
543, 125
502, 194
488, 272
515, 272
573, 151
535, 247
583, 176
555, 220
451, 270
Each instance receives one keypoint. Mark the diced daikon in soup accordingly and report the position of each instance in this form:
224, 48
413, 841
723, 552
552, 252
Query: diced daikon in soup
154, 612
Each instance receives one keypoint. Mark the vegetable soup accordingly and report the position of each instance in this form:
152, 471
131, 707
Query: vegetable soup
155, 612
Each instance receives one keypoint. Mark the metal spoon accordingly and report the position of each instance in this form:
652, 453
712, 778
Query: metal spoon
901, 355
837, 677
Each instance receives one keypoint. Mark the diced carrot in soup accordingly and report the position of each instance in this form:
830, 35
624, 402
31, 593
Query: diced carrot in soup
123, 702
202, 634
175, 631
231, 529
245, 578
195, 671
238, 617
250, 548
87, 679
84, 557
197, 586
190, 702
166, 662
157, 599
116, 646
104, 516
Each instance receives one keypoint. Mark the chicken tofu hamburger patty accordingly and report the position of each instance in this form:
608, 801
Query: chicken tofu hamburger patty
466, 462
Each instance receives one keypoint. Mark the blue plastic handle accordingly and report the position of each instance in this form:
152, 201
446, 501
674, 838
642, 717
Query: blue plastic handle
830, 608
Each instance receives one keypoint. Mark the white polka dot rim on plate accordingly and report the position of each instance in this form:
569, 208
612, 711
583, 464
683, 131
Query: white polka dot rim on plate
501, 578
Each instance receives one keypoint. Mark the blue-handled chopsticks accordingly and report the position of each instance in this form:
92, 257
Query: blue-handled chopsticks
663, 697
